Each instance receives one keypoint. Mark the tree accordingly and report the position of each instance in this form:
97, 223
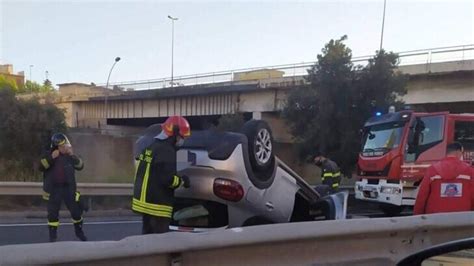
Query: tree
25, 128
35, 87
379, 84
328, 114
47, 85
9, 83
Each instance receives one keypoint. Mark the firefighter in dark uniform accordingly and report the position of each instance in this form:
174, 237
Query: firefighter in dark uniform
59, 184
330, 172
156, 177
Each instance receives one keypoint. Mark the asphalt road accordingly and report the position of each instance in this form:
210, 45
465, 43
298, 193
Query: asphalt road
102, 228
28, 233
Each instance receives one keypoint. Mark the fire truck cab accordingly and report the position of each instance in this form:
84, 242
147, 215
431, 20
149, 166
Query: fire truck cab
398, 147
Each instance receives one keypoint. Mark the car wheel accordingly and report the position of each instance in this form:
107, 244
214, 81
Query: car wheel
260, 143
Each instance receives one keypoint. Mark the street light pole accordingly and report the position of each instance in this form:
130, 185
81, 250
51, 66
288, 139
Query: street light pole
107, 89
31, 66
172, 46
383, 24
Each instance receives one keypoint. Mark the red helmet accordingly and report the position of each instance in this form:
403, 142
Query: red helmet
176, 125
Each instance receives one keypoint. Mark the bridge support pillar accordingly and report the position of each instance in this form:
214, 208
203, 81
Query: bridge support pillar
257, 115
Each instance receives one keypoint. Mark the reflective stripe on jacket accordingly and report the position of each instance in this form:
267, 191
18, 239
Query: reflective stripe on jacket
329, 169
156, 180
48, 166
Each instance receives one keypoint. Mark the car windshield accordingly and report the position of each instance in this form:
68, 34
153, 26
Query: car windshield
383, 137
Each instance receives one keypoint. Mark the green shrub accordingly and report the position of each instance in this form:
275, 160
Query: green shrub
25, 129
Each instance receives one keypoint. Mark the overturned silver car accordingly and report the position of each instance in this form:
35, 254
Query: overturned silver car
236, 180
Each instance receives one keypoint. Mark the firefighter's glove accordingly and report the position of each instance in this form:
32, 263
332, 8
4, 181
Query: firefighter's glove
186, 182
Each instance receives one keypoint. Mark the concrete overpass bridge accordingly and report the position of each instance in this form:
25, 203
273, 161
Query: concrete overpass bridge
440, 78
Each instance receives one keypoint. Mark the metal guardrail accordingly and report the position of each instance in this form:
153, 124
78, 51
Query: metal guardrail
89, 189
424, 56
382, 241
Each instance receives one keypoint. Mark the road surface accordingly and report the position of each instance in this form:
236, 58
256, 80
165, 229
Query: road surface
29, 231
37, 232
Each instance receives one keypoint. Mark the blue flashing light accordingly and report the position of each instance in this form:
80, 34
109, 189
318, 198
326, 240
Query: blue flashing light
378, 114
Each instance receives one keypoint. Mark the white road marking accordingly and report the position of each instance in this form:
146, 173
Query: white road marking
172, 228
87, 223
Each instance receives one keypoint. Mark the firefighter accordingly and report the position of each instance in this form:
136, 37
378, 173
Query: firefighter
59, 184
156, 178
447, 185
330, 172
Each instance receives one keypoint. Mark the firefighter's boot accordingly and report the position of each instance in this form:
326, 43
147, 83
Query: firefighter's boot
79, 233
53, 233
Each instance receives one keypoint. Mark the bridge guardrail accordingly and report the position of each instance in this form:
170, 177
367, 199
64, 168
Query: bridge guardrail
422, 56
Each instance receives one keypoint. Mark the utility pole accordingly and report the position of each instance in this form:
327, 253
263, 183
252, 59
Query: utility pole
172, 46
383, 24
31, 66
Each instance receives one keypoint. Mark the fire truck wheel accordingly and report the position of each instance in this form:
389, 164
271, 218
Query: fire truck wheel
391, 210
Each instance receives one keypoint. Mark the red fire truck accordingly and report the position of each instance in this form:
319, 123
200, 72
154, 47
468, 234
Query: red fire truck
398, 147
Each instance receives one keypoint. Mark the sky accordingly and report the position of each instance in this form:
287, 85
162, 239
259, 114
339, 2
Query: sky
77, 41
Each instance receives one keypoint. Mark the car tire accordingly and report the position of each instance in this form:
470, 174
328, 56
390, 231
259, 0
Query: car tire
391, 210
260, 145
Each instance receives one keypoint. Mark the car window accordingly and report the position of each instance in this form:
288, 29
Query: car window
464, 133
431, 134
433, 131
